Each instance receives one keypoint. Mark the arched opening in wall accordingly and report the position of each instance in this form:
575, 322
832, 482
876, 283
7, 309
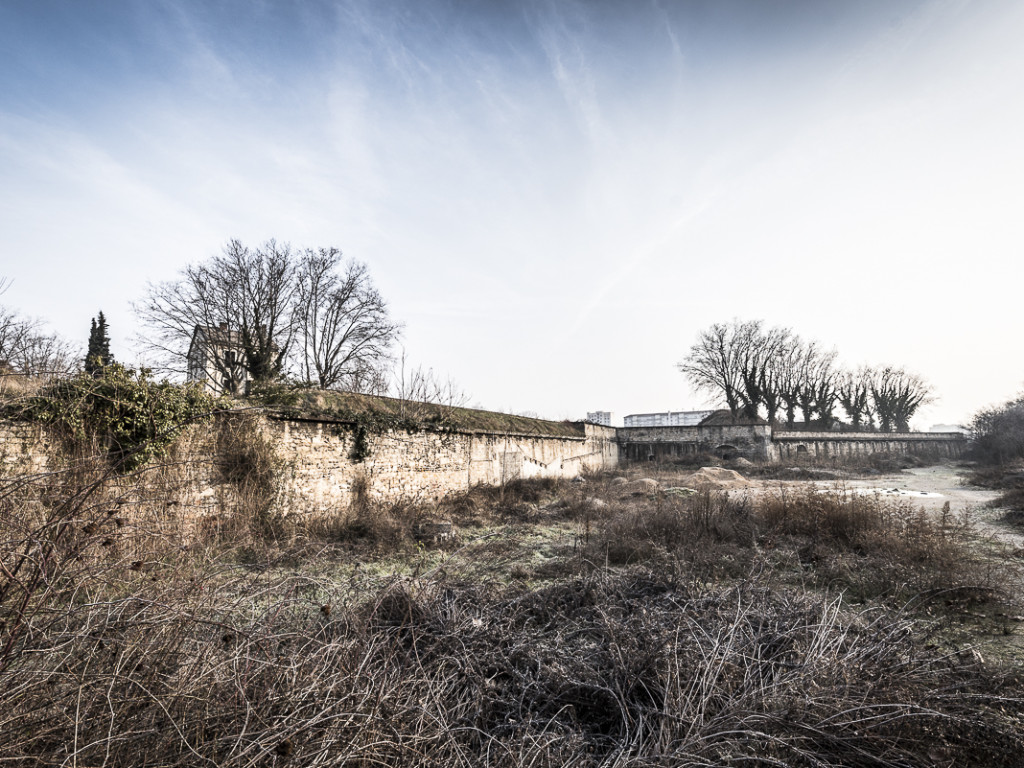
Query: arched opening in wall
801, 450
726, 451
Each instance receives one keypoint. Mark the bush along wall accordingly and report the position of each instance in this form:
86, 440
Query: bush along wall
124, 410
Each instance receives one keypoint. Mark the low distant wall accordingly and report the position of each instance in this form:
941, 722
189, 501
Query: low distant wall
763, 443
795, 445
667, 443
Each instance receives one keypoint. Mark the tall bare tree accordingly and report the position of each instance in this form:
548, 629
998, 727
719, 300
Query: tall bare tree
854, 387
343, 324
287, 311
713, 366
776, 350
896, 396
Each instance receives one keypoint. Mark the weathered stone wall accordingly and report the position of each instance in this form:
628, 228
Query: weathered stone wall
25, 449
318, 471
760, 442
426, 465
788, 446
666, 443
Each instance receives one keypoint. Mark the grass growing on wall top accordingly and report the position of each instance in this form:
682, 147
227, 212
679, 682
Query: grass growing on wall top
395, 413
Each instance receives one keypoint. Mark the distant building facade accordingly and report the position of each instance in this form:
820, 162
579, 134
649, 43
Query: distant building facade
216, 360
603, 418
948, 428
666, 419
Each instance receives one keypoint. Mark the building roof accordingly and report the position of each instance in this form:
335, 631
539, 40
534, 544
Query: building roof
214, 335
724, 418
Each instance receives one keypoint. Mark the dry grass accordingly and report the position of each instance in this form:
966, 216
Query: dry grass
682, 630
616, 668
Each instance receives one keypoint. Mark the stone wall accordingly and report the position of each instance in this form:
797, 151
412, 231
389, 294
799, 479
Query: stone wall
25, 449
760, 442
666, 443
318, 470
787, 446
426, 465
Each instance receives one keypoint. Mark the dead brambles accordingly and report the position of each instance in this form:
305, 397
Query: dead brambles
631, 667
661, 628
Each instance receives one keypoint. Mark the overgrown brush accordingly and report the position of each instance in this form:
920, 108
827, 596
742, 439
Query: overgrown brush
235, 668
871, 545
248, 461
120, 647
122, 410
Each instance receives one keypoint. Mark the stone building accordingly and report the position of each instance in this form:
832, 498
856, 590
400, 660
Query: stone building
216, 360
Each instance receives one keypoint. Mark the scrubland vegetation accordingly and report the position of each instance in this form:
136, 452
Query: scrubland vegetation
619, 621
623, 620
998, 448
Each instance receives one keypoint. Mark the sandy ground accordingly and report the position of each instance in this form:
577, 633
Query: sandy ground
932, 487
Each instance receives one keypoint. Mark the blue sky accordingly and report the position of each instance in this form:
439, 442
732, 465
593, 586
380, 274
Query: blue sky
555, 196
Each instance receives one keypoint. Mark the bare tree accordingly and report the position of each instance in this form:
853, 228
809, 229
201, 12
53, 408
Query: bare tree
245, 295
750, 347
27, 350
854, 388
205, 299
422, 393
809, 384
46, 355
749, 366
342, 321
285, 310
896, 396
14, 334
823, 386
776, 350
713, 366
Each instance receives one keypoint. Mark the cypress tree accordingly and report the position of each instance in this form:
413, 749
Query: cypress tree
98, 354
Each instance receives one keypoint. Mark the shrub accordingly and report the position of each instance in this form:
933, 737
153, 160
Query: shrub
131, 416
248, 460
254, 669
999, 433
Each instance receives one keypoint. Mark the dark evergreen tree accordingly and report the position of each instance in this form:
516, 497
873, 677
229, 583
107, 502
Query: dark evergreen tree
98, 355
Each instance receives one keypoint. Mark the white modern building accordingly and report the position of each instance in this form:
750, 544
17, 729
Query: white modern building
603, 418
666, 419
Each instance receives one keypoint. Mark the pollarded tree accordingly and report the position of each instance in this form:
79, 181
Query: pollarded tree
97, 355
854, 388
811, 384
713, 365
751, 350
777, 350
744, 364
896, 396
